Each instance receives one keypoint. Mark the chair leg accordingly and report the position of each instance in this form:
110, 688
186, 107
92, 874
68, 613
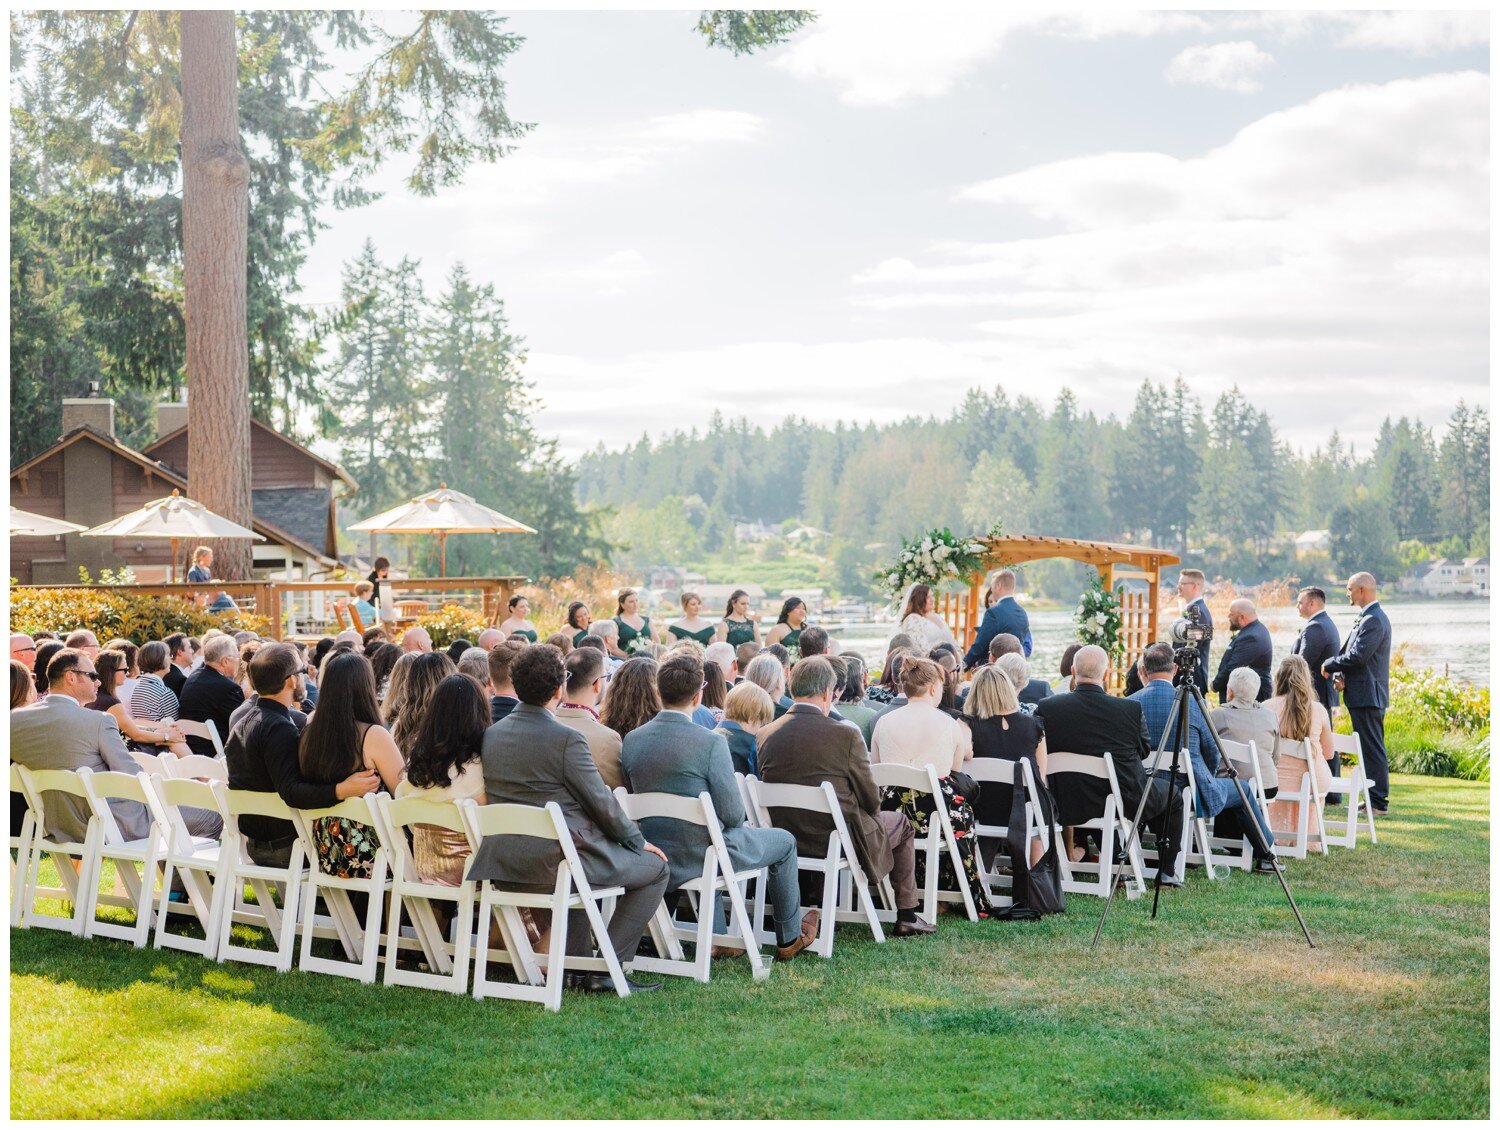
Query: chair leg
759, 970
824, 946
555, 952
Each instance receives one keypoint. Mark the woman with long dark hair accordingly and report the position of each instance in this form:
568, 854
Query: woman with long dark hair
787, 631
632, 699
444, 766
740, 624
920, 621
579, 619
345, 735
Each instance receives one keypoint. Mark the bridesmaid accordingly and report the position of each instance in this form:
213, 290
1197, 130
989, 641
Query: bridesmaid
520, 609
693, 626
635, 629
579, 619
787, 631
740, 624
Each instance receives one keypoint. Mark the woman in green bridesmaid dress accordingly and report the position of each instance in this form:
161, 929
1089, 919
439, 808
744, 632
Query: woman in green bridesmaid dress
787, 631
740, 624
579, 619
635, 629
520, 609
692, 626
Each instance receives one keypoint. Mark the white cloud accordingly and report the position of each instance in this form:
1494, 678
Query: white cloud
614, 272
1417, 32
1339, 245
700, 127
1234, 66
879, 58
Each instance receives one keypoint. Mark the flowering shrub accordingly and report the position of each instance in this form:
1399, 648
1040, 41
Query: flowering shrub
1440, 700
1099, 620
938, 556
452, 622
108, 612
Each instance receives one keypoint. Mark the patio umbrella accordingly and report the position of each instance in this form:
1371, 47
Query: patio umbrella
174, 518
25, 524
442, 512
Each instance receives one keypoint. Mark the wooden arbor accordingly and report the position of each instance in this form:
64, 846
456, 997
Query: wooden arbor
1139, 611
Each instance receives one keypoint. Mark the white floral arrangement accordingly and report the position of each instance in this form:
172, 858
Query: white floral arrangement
935, 557
1098, 619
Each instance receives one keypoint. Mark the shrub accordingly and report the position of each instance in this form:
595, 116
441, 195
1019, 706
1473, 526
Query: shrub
107, 612
595, 585
452, 622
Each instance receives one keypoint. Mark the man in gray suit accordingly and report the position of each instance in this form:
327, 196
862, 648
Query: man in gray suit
529, 757
672, 754
61, 732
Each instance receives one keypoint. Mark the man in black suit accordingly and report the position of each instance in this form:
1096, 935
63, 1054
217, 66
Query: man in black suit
1317, 643
181, 656
1088, 720
210, 693
504, 700
1250, 647
1364, 668
1190, 586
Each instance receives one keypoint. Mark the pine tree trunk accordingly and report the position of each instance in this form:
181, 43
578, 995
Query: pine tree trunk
215, 218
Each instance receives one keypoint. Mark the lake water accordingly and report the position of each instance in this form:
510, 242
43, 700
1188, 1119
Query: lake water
1451, 634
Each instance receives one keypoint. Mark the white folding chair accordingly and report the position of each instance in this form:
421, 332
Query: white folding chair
280, 923
37, 783
752, 817
21, 845
360, 939
197, 767
202, 863
135, 860
410, 892
1240, 852
939, 837
570, 891
839, 860
1016, 774
1306, 822
152, 763
719, 874
204, 730
1355, 791
1197, 842
1112, 823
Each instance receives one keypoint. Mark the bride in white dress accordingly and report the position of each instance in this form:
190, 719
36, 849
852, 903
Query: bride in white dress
918, 620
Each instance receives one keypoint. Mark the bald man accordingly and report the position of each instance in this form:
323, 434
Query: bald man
416, 639
489, 638
1363, 666
1250, 647
23, 649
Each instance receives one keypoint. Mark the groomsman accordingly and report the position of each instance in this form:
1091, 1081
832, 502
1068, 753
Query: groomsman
1317, 641
1363, 665
1005, 614
1190, 586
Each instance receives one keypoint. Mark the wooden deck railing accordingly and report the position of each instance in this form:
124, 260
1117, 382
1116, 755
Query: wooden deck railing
303, 608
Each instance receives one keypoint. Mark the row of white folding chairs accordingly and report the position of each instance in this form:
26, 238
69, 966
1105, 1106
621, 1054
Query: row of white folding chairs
195, 766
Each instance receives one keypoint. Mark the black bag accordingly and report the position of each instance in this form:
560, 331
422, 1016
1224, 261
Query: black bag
1037, 887
964, 786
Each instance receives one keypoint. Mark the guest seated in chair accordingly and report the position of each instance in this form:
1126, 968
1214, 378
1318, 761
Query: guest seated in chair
531, 758
1242, 719
673, 754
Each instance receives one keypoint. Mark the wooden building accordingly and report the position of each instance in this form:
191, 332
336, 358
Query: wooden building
89, 477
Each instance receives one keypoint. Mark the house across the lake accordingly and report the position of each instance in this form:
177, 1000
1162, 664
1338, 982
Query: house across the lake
1449, 576
88, 476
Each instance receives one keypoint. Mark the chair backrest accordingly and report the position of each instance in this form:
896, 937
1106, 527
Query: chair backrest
668, 806
36, 782
104, 787
1297, 751
359, 625
1062, 765
483, 820
197, 765
397, 815
248, 802
901, 776
341, 613
205, 730
996, 770
812, 798
1349, 743
151, 763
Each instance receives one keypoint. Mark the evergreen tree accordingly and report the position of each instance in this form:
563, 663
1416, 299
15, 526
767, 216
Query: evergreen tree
1405, 476
1464, 461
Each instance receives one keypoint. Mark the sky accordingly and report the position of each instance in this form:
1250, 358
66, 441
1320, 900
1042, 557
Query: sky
894, 207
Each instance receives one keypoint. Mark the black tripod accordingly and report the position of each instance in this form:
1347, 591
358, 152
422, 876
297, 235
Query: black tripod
1178, 727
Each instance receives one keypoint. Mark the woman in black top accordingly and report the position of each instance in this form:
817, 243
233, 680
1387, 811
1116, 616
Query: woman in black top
1000, 729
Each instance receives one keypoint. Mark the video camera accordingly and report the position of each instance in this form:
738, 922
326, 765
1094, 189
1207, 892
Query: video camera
1189, 631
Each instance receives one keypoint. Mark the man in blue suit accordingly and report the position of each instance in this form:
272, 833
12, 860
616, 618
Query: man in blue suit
1190, 586
1363, 665
1250, 647
1216, 795
1318, 641
1005, 614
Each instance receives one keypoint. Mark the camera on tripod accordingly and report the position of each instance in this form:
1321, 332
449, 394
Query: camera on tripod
1189, 631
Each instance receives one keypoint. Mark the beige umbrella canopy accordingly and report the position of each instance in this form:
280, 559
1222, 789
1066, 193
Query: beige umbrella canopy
25, 524
174, 518
442, 512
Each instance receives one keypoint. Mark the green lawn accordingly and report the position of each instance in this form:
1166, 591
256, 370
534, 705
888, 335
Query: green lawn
1217, 1009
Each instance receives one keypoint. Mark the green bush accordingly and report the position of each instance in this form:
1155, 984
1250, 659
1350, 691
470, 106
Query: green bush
108, 612
1435, 725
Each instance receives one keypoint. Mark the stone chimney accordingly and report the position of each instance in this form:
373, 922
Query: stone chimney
96, 412
170, 417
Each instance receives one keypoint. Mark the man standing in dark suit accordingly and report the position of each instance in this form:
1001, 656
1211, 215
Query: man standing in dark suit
1250, 647
1318, 641
1190, 586
211, 694
1364, 668
1089, 720
531, 758
1005, 614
